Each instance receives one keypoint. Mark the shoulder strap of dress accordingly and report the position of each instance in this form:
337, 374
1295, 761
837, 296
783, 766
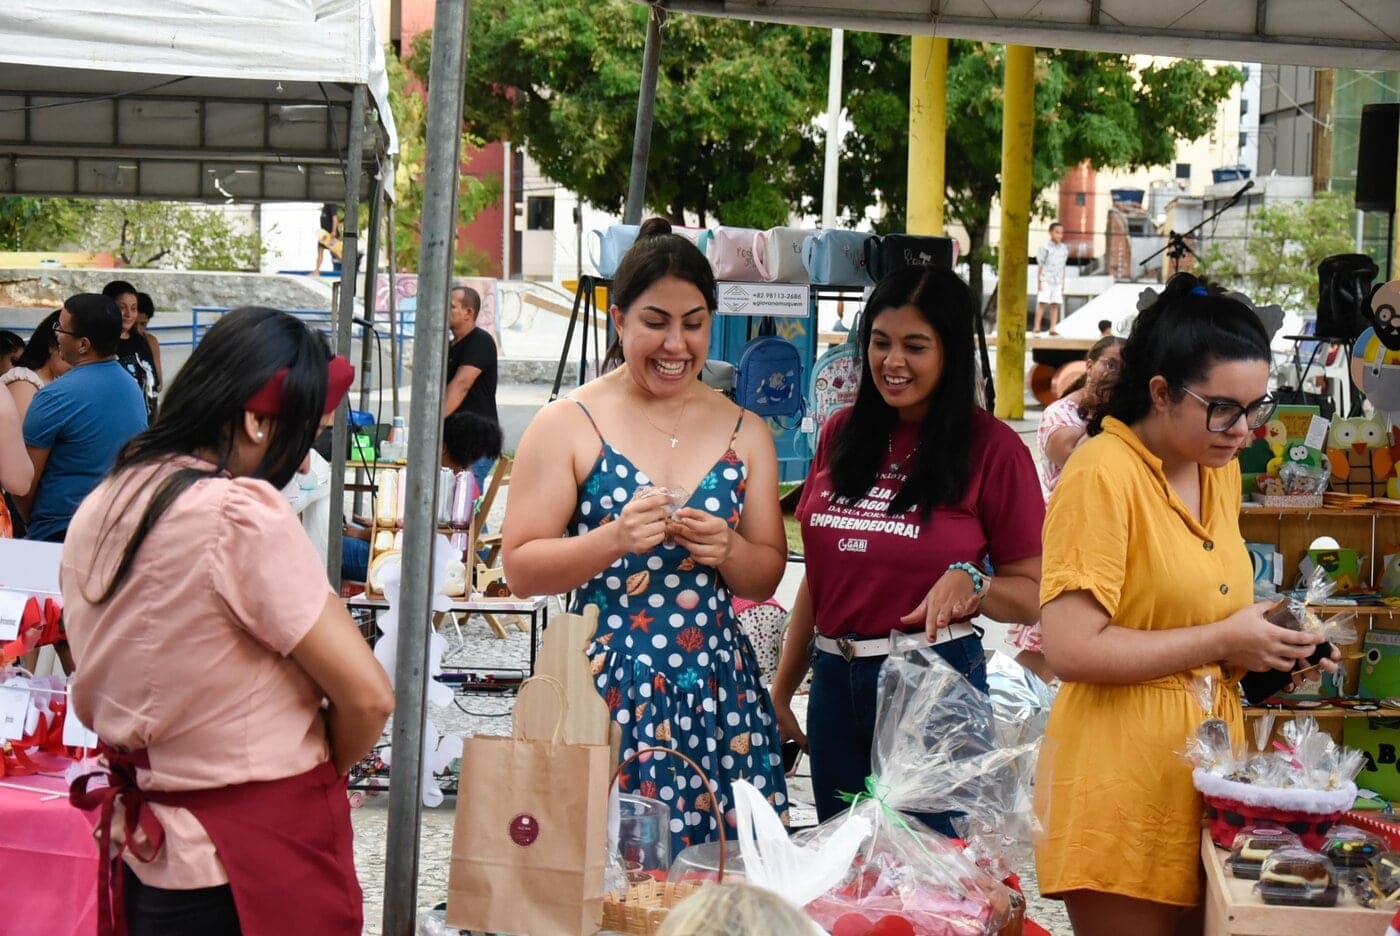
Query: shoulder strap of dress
592, 422
737, 426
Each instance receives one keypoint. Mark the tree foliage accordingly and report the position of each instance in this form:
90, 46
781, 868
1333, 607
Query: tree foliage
733, 107
1277, 263
410, 108
1089, 106
138, 233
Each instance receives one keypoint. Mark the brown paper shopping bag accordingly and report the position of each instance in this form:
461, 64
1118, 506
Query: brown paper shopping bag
531, 833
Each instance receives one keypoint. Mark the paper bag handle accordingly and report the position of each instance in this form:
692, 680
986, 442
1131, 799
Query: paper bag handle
563, 705
714, 793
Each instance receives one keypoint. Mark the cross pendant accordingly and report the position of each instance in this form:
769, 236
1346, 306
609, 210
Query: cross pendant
674, 441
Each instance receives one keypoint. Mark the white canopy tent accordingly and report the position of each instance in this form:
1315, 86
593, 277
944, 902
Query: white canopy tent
187, 99
1362, 34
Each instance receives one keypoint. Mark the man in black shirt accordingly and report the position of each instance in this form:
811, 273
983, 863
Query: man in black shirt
471, 367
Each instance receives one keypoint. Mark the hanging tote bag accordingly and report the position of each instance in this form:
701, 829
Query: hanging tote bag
895, 252
778, 254
730, 251
606, 247
836, 258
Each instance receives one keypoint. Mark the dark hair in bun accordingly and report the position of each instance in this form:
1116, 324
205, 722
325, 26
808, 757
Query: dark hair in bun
658, 253
1188, 329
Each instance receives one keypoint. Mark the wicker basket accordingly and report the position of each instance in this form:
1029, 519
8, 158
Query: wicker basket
641, 909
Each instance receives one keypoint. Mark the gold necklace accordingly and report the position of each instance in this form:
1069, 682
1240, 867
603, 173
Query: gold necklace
675, 440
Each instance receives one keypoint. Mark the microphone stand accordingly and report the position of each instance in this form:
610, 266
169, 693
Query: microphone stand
1177, 248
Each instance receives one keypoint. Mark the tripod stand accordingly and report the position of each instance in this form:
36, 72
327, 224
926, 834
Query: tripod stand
1177, 248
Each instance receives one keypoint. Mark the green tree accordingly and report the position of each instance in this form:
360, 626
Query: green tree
1089, 106
734, 101
1277, 262
172, 235
138, 233
410, 109
41, 223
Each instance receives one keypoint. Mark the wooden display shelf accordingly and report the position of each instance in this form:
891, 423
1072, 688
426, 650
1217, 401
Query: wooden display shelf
1233, 909
1358, 610
1249, 508
1322, 711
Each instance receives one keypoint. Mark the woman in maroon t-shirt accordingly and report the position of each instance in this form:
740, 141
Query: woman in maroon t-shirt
913, 491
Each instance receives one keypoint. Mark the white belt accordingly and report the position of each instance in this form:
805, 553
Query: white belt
851, 649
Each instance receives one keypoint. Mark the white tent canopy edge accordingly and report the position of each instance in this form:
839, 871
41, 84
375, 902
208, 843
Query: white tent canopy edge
1361, 34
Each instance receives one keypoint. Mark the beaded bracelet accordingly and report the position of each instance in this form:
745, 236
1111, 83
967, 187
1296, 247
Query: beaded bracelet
981, 581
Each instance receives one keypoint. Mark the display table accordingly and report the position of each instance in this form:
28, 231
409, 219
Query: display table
536, 609
1232, 909
48, 860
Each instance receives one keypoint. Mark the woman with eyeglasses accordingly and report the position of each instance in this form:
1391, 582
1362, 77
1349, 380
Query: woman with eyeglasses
1146, 584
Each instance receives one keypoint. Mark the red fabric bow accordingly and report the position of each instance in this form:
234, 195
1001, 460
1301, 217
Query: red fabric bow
121, 779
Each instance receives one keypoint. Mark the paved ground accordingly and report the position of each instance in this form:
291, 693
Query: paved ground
491, 715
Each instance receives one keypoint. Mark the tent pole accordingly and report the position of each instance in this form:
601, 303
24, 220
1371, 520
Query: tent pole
646, 113
833, 128
1017, 135
442, 162
395, 358
349, 261
367, 361
928, 134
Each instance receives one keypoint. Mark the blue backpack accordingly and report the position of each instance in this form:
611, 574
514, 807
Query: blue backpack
769, 378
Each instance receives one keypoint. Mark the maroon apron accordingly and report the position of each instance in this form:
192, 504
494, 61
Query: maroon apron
286, 845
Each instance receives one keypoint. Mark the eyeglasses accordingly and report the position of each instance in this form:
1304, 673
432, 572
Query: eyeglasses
64, 331
1111, 364
1221, 415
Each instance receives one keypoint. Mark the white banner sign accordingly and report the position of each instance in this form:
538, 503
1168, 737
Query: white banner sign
786, 300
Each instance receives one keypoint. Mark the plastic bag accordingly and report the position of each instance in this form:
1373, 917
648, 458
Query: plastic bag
935, 750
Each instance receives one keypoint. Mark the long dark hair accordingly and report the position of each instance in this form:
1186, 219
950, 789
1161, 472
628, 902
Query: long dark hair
203, 410
42, 343
657, 253
939, 474
1190, 328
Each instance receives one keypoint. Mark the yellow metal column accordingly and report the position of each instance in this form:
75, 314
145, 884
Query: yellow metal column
1017, 132
928, 134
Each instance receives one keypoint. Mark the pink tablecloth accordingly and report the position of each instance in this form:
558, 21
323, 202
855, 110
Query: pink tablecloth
48, 861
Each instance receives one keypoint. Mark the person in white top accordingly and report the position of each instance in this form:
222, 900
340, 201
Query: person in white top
1050, 277
37, 366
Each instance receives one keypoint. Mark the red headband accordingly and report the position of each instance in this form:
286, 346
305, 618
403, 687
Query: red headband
340, 374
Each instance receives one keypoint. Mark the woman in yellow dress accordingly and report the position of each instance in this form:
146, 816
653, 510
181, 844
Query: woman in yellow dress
1146, 583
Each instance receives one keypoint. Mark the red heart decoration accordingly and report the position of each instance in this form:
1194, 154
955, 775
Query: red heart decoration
851, 924
892, 925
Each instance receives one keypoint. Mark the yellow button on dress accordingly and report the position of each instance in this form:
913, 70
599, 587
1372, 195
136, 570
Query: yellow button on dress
1120, 814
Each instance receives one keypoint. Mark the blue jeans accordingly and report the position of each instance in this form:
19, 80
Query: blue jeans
841, 722
481, 468
354, 559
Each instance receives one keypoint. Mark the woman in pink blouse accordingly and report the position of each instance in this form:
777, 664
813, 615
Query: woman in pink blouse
230, 688
1064, 424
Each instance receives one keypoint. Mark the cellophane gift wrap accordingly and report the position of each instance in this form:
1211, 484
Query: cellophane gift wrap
936, 749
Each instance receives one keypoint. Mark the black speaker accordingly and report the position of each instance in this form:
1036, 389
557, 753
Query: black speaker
1375, 157
1344, 291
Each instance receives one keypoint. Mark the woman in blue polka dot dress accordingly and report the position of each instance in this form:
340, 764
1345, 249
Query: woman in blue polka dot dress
668, 657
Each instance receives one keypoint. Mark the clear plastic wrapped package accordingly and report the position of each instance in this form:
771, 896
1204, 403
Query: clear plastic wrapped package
935, 750
1253, 845
1350, 847
1297, 877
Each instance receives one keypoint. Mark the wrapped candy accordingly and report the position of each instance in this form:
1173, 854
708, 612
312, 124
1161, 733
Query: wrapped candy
676, 498
1300, 615
935, 750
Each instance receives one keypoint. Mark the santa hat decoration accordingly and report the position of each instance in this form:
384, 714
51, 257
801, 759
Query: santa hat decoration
1394, 928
